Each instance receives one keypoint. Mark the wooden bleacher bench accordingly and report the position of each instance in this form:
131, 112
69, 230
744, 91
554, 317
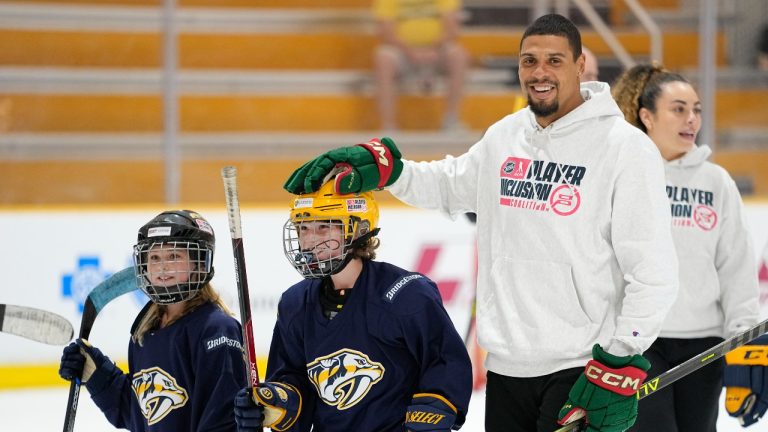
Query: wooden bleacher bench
262, 83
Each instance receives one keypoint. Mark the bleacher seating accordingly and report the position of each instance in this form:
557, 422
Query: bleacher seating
262, 83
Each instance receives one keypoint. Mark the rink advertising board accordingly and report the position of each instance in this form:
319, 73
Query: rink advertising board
52, 258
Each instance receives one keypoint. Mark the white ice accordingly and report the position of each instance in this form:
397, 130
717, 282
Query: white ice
42, 410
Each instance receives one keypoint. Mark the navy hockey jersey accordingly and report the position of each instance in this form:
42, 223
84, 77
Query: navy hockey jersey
359, 371
184, 378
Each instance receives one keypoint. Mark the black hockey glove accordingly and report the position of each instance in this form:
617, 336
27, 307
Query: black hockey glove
430, 412
248, 415
81, 360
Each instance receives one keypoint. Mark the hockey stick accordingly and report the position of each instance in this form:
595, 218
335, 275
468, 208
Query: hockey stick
687, 367
116, 285
229, 175
35, 324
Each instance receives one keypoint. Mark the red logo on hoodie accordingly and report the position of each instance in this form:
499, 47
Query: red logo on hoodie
565, 200
514, 167
705, 217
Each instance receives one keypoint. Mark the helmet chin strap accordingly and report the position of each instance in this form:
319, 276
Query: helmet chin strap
356, 243
163, 298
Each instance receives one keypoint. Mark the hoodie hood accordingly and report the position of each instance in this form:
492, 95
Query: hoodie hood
693, 158
598, 102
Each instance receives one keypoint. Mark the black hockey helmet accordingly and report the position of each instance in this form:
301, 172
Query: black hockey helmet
173, 256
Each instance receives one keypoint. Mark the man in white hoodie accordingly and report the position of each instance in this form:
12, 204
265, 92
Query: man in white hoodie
576, 261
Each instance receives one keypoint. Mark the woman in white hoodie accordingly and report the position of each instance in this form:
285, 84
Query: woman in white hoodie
718, 295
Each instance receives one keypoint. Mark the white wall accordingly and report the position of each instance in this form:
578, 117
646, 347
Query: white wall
39, 248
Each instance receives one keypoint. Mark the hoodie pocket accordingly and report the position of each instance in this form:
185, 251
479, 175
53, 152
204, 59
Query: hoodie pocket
535, 309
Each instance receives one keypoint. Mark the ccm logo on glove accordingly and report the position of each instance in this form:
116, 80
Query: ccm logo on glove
625, 381
379, 148
756, 356
383, 155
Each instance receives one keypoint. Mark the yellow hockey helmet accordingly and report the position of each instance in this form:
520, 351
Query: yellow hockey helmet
325, 227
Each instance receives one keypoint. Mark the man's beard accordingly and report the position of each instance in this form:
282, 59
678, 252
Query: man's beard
542, 109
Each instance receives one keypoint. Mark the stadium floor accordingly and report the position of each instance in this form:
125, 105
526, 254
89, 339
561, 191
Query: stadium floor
23, 411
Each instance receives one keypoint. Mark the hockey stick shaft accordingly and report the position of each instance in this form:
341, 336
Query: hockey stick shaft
35, 324
116, 285
86, 323
688, 367
229, 175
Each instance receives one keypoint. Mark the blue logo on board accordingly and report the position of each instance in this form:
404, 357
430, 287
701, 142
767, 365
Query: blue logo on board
78, 284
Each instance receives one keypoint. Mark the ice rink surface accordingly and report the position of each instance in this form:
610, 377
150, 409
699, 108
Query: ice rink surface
42, 410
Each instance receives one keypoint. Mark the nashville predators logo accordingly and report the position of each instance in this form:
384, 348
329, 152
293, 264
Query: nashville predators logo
157, 393
343, 378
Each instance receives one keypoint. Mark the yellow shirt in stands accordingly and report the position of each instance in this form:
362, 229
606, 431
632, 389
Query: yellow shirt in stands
417, 22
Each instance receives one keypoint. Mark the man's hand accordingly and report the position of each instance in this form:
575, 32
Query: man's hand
606, 392
746, 381
360, 168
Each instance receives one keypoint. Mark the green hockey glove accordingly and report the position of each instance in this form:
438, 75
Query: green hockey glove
359, 168
606, 392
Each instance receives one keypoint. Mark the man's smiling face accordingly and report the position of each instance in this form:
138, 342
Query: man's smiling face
549, 76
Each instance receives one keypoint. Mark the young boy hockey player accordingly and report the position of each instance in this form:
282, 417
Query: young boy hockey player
359, 345
185, 358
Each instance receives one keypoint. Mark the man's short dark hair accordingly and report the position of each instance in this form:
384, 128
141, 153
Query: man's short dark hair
555, 25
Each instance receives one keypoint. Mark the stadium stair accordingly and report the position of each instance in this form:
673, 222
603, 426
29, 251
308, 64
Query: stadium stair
263, 84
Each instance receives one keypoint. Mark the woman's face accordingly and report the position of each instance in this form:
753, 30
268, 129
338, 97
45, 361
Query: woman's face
323, 238
677, 120
168, 266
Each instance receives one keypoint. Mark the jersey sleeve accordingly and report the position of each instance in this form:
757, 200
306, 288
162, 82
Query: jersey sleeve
432, 339
116, 400
286, 363
219, 374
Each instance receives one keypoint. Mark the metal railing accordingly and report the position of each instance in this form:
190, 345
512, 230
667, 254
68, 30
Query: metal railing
540, 7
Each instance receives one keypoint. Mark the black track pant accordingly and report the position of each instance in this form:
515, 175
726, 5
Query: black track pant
690, 404
527, 404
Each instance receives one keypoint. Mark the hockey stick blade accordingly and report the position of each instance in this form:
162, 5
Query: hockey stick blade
687, 367
113, 287
35, 324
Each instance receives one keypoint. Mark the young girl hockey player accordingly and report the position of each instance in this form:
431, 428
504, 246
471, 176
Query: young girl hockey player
359, 345
185, 359
718, 294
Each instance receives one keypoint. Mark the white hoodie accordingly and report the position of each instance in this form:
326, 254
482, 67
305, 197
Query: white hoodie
718, 275
573, 229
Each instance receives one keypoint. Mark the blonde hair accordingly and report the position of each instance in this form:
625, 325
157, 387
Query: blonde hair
151, 319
